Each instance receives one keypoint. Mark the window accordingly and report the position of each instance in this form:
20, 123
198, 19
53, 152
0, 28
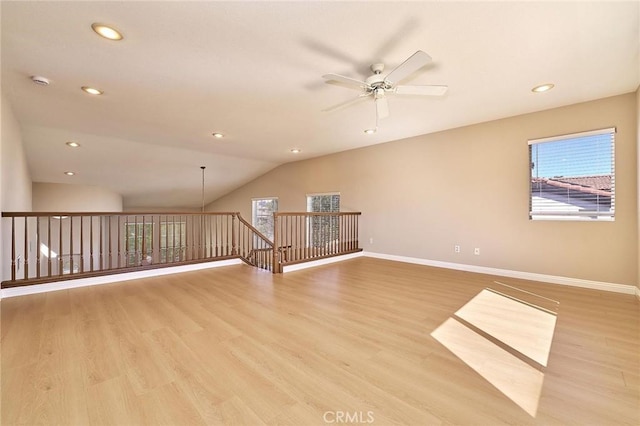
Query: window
173, 241
138, 242
572, 177
323, 229
262, 215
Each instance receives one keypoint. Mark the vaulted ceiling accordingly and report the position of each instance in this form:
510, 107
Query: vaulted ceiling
252, 71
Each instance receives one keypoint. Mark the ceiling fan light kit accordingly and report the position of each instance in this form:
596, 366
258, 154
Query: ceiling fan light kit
379, 86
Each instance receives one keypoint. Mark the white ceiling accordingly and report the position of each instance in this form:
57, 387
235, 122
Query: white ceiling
252, 70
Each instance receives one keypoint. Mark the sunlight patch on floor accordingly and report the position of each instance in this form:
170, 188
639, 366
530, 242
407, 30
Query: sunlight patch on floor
505, 340
523, 327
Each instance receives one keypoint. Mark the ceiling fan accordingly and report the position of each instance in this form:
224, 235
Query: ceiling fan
379, 86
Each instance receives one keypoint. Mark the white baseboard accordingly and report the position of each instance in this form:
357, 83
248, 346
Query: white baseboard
320, 262
552, 279
82, 282
106, 279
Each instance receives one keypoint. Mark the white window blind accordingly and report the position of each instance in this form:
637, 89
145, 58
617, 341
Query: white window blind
262, 217
573, 176
327, 202
323, 230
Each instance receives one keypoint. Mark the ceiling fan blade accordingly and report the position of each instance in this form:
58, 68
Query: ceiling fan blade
345, 80
347, 103
408, 67
382, 108
421, 90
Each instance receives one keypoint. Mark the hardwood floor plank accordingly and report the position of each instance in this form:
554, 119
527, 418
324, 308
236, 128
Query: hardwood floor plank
206, 393
113, 402
235, 412
168, 405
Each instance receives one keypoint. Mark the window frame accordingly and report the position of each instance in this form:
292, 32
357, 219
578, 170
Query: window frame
594, 215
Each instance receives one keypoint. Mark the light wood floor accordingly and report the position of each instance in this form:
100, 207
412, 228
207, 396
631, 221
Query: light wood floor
353, 341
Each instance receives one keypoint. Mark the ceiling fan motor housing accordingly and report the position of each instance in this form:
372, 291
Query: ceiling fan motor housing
376, 80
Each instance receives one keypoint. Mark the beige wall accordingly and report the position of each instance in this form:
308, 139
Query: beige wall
16, 179
470, 186
60, 197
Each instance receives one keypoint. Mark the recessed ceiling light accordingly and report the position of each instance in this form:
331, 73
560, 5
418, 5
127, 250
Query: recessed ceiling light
217, 135
106, 31
92, 90
295, 151
370, 131
69, 173
543, 88
73, 144
42, 81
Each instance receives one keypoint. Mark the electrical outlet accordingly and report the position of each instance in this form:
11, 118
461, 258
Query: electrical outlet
371, 240
456, 248
476, 251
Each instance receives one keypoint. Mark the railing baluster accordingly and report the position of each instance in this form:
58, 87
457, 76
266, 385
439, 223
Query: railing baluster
233, 236
274, 250
119, 228
164, 251
48, 245
173, 238
110, 237
126, 241
37, 246
60, 261
82, 244
203, 237
13, 249
100, 246
354, 237
143, 248
215, 223
307, 236
189, 241
135, 239
226, 236
353, 232
26, 249
212, 236
70, 245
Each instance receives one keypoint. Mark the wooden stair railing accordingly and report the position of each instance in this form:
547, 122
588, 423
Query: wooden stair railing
253, 247
46, 247
305, 236
54, 246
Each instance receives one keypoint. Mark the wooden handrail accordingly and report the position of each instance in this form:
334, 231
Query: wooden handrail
33, 214
317, 213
